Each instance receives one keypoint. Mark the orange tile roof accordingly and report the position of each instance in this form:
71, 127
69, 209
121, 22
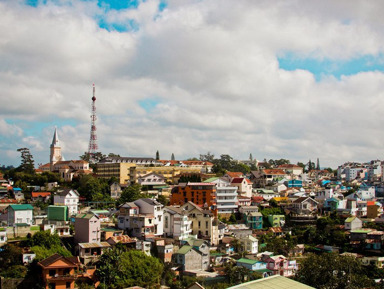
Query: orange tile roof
273, 172
235, 174
40, 194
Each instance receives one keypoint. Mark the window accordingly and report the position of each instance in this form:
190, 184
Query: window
52, 273
206, 224
199, 224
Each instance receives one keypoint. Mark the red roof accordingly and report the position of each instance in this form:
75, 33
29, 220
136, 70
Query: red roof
289, 166
237, 180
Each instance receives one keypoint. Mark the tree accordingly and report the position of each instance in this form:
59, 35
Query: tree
172, 157
330, 270
27, 162
119, 269
97, 156
208, 157
130, 194
157, 155
250, 157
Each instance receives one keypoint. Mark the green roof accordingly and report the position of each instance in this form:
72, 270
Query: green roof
350, 219
21, 207
272, 282
184, 250
262, 270
109, 229
216, 254
247, 261
210, 180
361, 231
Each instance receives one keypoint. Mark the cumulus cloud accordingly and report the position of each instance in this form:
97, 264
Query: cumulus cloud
212, 67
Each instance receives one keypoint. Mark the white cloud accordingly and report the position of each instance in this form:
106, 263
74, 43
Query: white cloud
211, 65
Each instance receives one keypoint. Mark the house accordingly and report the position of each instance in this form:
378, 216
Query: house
276, 220
176, 223
254, 265
204, 223
291, 169
87, 228
59, 272
152, 207
280, 265
244, 201
267, 177
244, 186
151, 179
20, 214
353, 223
134, 223
250, 244
40, 196
229, 176
69, 198
91, 252
254, 220
194, 256
116, 191
304, 206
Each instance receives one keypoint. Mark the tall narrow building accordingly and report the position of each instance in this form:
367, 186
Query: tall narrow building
55, 149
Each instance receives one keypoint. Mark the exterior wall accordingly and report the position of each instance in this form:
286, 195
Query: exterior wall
226, 199
156, 211
71, 200
198, 193
193, 261
18, 217
87, 230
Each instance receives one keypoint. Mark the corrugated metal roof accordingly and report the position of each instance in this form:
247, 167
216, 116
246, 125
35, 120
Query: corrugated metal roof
94, 245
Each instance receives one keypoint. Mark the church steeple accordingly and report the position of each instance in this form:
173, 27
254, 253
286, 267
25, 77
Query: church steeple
55, 155
55, 140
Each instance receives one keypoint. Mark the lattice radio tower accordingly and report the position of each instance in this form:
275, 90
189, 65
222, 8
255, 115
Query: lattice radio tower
92, 148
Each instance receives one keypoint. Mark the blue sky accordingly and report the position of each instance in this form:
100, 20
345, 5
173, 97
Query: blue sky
332, 67
192, 76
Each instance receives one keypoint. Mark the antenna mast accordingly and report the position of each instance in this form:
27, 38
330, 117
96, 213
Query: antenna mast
93, 137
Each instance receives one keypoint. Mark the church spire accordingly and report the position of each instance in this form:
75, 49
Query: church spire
55, 140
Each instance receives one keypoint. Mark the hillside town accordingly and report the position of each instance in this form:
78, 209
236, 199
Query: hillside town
106, 221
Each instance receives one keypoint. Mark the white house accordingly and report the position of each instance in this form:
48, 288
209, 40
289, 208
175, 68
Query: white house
20, 214
176, 223
244, 186
152, 207
69, 198
250, 244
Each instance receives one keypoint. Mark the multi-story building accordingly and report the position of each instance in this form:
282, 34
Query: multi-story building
87, 228
69, 198
226, 200
202, 194
142, 218
204, 223
176, 223
20, 214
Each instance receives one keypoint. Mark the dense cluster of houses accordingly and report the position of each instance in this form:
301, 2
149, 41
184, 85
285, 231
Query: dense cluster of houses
192, 232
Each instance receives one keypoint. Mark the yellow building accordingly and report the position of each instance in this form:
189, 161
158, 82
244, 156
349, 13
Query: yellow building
128, 170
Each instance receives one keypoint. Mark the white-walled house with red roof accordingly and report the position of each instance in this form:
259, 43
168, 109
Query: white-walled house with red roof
244, 186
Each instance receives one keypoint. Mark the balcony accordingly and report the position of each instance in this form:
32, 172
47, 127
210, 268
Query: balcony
227, 206
226, 201
226, 194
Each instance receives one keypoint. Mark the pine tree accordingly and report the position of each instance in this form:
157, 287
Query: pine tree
318, 164
27, 162
250, 157
157, 155
172, 157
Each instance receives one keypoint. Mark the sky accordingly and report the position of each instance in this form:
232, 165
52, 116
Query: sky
299, 80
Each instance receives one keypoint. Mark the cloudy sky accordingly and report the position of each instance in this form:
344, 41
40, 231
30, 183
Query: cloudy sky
279, 79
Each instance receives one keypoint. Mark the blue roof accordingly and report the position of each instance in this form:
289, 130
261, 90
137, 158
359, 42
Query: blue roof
16, 189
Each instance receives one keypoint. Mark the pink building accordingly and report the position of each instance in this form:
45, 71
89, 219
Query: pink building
280, 265
87, 228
